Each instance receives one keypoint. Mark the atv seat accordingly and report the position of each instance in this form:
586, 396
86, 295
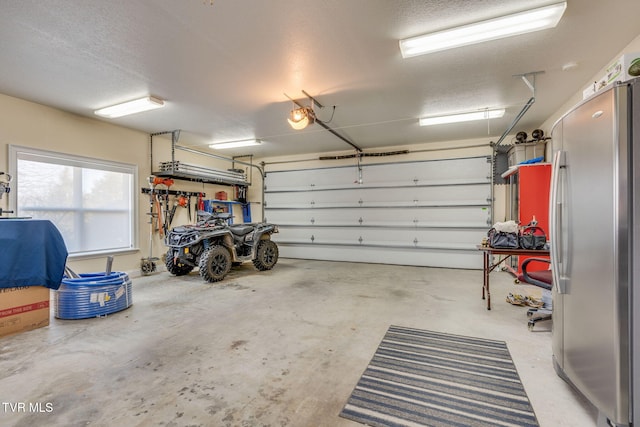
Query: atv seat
241, 230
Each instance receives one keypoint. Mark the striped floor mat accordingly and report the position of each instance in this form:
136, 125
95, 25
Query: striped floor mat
424, 378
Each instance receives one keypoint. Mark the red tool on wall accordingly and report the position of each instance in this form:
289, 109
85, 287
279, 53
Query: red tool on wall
200, 202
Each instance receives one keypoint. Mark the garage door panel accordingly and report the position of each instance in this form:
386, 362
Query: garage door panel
460, 216
401, 173
465, 169
376, 196
375, 236
307, 179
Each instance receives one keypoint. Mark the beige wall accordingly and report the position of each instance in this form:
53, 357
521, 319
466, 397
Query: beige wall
29, 124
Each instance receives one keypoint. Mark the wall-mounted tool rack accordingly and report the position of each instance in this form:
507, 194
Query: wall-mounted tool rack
174, 192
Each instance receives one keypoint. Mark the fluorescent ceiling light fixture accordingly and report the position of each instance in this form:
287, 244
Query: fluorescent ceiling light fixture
462, 117
505, 26
136, 106
235, 144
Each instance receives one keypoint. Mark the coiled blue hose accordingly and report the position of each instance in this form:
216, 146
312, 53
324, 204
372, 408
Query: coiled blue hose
92, 295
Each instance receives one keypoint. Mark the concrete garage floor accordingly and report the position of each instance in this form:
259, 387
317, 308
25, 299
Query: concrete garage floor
277, 348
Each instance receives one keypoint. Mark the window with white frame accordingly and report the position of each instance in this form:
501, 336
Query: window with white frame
92, 202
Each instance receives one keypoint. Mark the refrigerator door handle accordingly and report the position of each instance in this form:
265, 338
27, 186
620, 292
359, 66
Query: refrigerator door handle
555, 224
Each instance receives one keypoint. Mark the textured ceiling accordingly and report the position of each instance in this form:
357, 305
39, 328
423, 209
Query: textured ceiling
224, 67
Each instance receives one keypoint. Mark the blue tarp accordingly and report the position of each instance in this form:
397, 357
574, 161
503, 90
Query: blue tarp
32, 253
531, 161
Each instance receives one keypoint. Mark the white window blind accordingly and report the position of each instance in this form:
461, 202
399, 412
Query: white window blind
91, 201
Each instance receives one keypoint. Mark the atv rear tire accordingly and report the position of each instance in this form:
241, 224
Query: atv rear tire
215, 263
266, 255
176, 269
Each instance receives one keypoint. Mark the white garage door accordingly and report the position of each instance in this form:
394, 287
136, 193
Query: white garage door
427, 213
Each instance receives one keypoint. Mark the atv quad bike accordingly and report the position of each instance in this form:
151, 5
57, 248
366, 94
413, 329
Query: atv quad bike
213, 246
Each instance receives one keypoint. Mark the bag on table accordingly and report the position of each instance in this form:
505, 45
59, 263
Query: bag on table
532, 237
504, 235
502, 239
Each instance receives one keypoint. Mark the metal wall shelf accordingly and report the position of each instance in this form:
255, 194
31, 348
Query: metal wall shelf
180, 170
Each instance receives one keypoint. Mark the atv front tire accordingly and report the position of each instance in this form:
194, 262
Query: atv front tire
215, 263
176, 269
266, 255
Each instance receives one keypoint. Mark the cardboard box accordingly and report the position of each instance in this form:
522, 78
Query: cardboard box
624, 68
23, 309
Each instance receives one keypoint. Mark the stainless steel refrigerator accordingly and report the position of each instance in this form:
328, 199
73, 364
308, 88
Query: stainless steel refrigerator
595, 251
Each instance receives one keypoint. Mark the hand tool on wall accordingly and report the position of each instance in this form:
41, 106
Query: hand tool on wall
171, 214
148, 265
165, 229
200, 202
159, 215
